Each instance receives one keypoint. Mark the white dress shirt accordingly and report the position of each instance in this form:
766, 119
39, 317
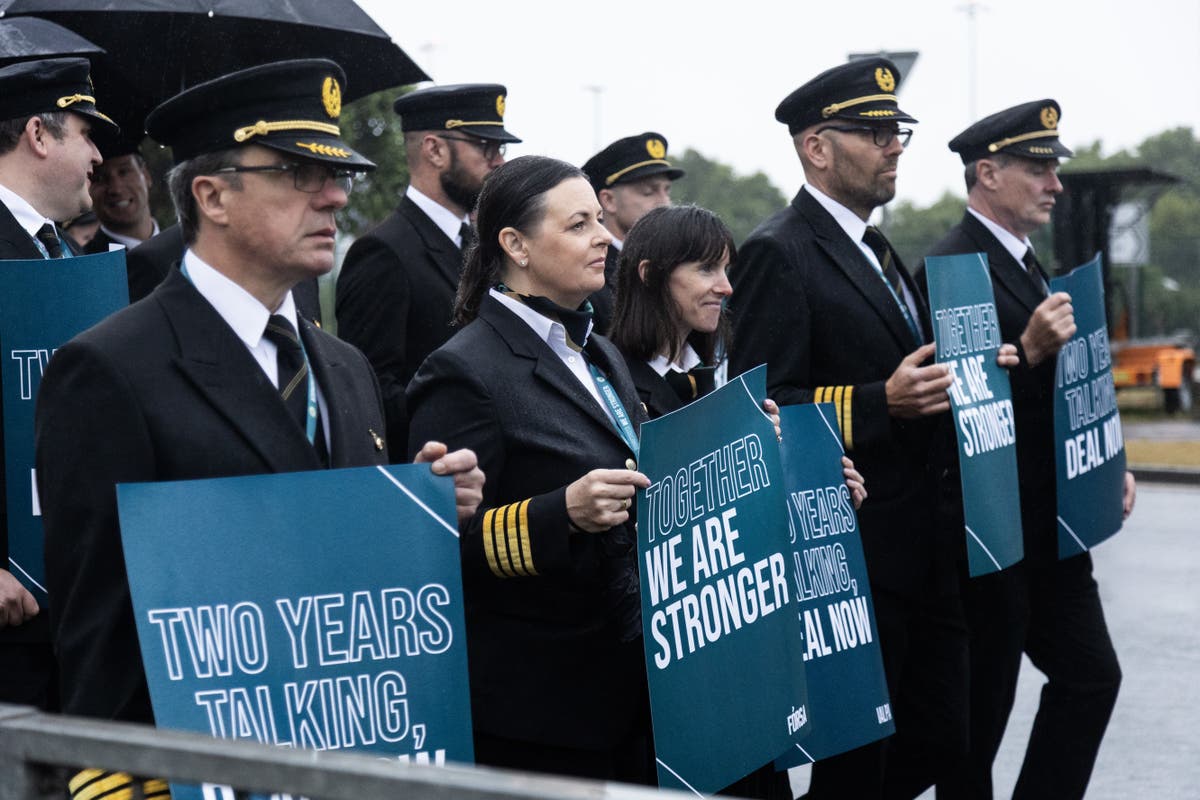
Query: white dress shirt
443, 217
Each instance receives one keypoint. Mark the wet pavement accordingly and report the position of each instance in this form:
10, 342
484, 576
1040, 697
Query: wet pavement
1149, 576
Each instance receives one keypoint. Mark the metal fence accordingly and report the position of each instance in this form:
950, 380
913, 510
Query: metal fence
35, 748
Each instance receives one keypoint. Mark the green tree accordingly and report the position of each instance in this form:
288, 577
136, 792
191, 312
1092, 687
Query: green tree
742, 201
371, 127
913, 231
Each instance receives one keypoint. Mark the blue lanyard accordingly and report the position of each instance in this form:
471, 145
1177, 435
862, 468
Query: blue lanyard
310, 417
616, 407
912, 325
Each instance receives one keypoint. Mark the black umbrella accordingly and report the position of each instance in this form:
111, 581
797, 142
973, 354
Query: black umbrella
155, 48
25, 38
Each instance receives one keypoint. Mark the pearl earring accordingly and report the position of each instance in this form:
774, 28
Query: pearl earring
524, 262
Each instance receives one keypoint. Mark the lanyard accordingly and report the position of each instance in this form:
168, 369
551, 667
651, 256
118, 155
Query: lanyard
912, 325
310, 416
616, 407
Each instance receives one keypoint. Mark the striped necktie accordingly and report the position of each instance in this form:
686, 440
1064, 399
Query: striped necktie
293, 377
1034, 270
48, 238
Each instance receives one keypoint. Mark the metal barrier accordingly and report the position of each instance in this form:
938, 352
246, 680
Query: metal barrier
34, 746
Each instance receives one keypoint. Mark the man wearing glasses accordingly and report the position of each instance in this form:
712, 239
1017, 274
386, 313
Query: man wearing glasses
395, 292
822, 298
214, 374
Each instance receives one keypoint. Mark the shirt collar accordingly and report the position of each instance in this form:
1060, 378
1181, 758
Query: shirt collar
1016, 247
688, 358
547, 329
617, 244
25, 214
846, 219
443, 217
240, 309
129, 241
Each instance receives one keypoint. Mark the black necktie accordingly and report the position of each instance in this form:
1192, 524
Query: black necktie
293, 377
49, 239
873, 239
696, 382
1034, 270
466, 233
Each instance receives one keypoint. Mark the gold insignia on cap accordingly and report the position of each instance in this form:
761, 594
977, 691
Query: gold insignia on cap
656, 148
884, 79
500, 105
331, 97
71, 100
324, 149
1049, 117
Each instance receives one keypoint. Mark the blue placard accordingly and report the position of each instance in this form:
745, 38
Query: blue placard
45, 302
847, 690
315, 609
967, 332
723, 653
1089, 445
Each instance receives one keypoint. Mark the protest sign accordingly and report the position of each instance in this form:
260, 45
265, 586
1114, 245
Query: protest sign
1089, 444
847, 691
318, 609
967, 332
723, 651
45, 302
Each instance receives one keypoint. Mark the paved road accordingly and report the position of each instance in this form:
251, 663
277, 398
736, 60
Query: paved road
1149, 577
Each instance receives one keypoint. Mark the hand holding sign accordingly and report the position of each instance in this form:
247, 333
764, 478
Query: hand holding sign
916, 391
1051, 326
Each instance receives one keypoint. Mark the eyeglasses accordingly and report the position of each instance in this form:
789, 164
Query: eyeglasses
308, 177
489, 147
883, 137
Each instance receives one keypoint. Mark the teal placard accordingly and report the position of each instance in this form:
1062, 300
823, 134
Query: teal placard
723, 652
847, 689
45, 302
317, 609
967, 332
1089, 444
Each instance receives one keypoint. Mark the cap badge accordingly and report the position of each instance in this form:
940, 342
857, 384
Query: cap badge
500, 105
884, 79
331, 97
1049, 117
656, 148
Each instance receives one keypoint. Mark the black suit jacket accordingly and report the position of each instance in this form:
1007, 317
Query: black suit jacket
1032, 387
809, 304
99, 243
656, 395
162, 390
395, 300
15, 243
546, 662
150, 262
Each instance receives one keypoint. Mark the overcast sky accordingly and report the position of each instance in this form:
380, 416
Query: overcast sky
710, 80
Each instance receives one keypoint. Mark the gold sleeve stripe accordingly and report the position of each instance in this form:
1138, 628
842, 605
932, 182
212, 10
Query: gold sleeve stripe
838, 391
156, 788
111, 786
526, 546
819, 394
83, 777
512, 545
498, 536
489, 542
847, 418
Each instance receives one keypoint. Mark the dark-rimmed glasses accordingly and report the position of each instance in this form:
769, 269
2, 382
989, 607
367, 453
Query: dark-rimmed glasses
883, 137
489, 147
309, 178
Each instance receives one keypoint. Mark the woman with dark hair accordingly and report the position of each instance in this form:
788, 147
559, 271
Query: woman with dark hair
670, 325
669, 320
558, 681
